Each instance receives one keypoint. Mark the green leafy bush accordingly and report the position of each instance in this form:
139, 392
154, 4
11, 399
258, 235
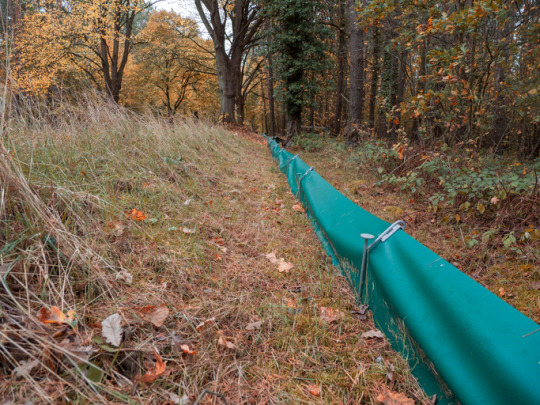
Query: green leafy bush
309, 142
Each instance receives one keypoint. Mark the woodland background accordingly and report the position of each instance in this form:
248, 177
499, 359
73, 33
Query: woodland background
407, 71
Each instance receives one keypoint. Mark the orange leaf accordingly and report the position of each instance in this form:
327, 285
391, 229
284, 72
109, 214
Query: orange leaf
394, 398
55, 315
298, 207
219, 241
217, 258
314, 390
185, 348
152, 374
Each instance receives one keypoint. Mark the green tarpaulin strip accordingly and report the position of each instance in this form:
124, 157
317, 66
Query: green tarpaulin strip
463, 343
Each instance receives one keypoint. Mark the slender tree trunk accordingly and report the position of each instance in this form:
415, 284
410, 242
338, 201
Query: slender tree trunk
271, 103
265, 114
356, 92
417, 120
342, 57
374, 76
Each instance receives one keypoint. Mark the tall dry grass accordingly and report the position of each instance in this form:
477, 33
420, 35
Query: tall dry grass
61, 171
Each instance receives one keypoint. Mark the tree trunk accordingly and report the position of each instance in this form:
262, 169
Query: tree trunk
356, 93
374, 76
342, 57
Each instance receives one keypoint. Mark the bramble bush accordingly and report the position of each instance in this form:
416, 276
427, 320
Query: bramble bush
461, 183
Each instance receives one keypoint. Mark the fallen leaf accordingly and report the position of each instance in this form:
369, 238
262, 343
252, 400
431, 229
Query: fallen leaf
502, 292
153, 373
219, 241
188, 201
272, 257
494, 200
206, 322
298, 207
372, 334
117, 227
185, 348
284, 266
24, 368
291, 303
254, 325
55, 315
111, 329
187, 230
155, 315
125, 276
225, 343
331, 315
394, 398
314, 390
217, 258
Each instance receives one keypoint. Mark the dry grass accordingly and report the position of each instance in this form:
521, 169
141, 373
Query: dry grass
67, 181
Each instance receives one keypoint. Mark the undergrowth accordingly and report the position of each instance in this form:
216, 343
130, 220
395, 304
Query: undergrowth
478, 211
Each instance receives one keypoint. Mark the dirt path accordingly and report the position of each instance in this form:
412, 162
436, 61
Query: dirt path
280, 335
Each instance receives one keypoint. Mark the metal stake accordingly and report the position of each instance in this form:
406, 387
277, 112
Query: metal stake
367, 237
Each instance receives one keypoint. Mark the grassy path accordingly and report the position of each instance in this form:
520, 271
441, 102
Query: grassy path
169, 230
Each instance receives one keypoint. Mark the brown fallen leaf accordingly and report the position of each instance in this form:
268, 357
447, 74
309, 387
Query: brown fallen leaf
185, 348
125, 276
225, 343
116, 227
284, 266
153, 314
388, 397
298, 207
331, 315
314, 390
24, 368
206, 322
217, 258
254, 325
153, 373
272, 257
372, 334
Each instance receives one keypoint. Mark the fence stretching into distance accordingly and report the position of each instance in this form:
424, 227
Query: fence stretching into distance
463, 343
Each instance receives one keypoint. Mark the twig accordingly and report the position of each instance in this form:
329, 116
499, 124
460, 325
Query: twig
217, 394
529, 334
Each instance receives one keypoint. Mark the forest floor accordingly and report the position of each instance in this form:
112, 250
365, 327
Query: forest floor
152, 263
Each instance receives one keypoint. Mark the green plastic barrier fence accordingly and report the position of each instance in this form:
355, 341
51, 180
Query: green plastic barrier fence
463, 343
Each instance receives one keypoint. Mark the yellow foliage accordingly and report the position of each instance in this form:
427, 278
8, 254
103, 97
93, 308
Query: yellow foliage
173, 68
